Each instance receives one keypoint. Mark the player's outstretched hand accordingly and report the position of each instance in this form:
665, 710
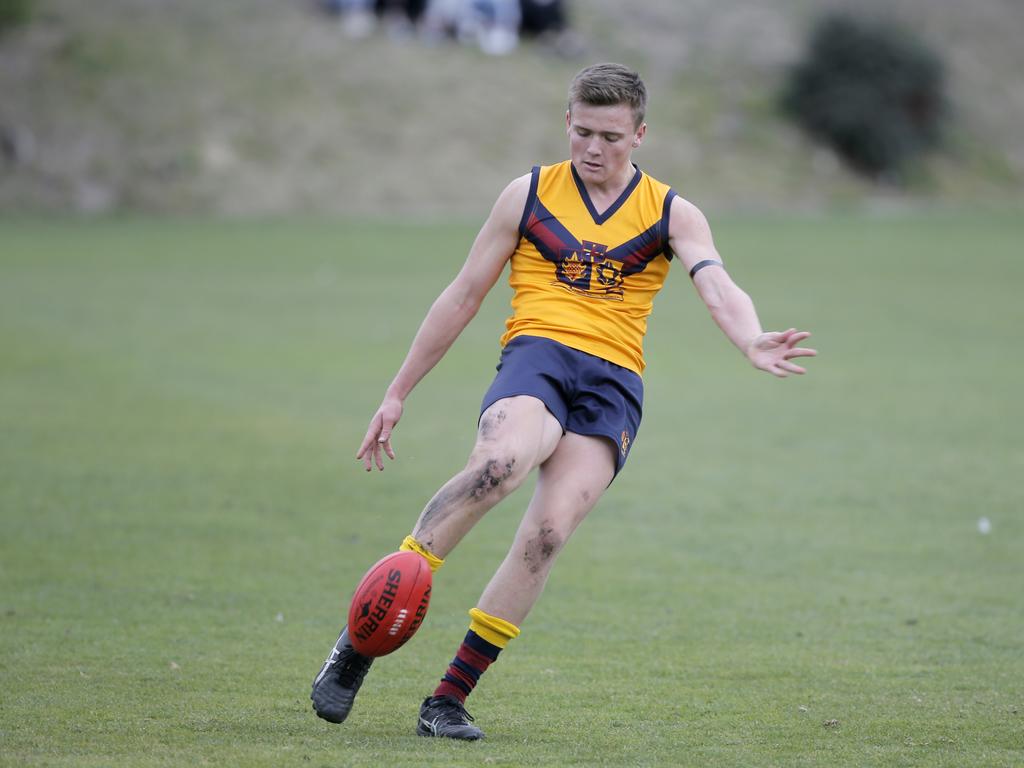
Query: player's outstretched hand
378, 435
774, 351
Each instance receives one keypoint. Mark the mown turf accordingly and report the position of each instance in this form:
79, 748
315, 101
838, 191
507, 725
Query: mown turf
788, 573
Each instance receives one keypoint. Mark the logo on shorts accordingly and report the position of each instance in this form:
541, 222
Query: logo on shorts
624, 443
587, 271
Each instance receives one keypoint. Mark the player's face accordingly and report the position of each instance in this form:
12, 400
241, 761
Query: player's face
601, 141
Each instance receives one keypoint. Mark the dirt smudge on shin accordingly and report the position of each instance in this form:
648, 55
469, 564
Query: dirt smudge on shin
541, 548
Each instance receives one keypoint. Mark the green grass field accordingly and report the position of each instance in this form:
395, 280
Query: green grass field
183, 520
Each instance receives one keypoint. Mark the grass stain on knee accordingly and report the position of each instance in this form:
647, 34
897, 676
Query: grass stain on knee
473, 485
493, 475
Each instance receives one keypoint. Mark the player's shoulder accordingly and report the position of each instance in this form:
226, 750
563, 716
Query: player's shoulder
519, 185
517, 189
686, 218
508, 208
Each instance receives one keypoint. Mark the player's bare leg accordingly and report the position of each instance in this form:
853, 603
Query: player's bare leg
568, 486
515, 435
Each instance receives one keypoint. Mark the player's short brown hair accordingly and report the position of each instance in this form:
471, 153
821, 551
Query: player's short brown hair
605, 85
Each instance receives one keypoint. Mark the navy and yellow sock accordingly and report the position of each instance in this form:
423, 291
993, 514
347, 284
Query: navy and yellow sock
487, 637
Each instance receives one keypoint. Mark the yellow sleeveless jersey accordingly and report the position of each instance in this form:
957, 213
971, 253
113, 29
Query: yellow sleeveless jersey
588, 279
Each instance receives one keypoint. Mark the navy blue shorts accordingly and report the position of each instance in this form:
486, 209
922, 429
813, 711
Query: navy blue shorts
588, 395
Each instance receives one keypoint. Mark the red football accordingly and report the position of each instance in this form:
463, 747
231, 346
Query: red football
389, 604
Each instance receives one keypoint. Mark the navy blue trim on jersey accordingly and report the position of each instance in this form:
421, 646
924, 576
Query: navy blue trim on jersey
553, 240
665, 211
637, 253
548, 235
601, 218
531, 199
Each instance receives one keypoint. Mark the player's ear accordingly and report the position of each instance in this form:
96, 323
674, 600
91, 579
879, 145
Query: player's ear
568, 120
640, 133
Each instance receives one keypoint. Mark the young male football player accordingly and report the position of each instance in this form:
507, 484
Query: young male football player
590, 242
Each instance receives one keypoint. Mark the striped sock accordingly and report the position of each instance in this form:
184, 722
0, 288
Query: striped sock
486, 638
472, 660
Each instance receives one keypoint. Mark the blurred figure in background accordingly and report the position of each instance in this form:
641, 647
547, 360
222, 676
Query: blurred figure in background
499, 25
548, 22
491, 24
401, 17
445, 19
359, 18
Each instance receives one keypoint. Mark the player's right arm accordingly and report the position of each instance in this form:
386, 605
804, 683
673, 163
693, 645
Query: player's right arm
449, 315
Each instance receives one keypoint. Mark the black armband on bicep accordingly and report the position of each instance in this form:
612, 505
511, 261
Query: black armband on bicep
706, 263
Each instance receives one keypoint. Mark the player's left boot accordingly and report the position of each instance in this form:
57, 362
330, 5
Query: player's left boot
446, 717
336, 686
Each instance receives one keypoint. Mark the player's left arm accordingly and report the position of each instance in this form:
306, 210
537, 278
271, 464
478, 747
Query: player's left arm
731, 308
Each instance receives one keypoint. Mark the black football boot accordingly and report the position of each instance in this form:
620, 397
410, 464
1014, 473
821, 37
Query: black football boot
336, 686
446, 717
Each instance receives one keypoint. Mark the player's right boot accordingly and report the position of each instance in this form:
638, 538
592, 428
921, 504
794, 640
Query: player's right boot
447, 718
336, 686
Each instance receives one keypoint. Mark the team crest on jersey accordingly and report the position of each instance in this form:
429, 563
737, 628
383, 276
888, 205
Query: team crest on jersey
624, 443
588, 271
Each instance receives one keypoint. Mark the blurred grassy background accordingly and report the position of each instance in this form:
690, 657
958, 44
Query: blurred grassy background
264, 106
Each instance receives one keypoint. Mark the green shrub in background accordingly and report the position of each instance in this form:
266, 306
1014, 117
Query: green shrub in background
870, 90
13, 13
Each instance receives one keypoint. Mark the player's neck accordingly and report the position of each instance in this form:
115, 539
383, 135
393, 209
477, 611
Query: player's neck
611, 189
